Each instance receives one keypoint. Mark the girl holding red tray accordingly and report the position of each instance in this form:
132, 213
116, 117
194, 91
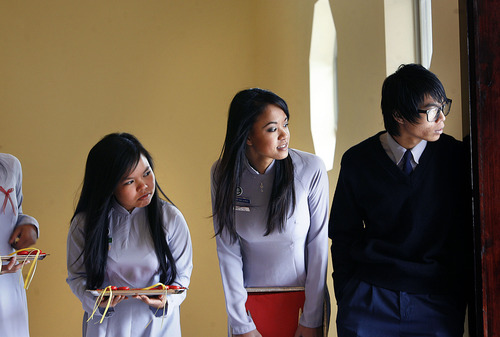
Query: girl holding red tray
123, 234
270, 206
17, 231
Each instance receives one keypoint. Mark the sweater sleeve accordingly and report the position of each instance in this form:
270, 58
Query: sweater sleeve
316, 249
345, 226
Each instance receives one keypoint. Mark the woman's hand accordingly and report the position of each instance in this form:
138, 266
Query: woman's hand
253, 333
12, 267
302, 331
114, 300
157, 302
23, 236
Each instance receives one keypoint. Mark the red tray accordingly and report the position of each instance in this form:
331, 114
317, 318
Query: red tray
22, 258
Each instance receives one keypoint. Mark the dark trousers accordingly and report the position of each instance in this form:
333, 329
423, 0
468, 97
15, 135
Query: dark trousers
368, 311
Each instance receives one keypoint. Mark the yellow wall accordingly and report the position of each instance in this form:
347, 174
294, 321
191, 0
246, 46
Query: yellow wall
71, 72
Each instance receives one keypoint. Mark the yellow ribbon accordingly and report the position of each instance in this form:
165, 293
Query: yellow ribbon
164, 287
108, 288
98, 301
159, 284
31, 271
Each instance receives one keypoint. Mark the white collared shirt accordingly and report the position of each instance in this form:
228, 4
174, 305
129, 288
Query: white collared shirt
396, 151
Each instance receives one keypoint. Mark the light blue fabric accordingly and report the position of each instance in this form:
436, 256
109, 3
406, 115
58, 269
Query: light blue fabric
13, 307
296, 257
132, 262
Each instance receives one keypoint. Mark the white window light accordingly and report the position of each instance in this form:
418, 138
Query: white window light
323, 83
408, 33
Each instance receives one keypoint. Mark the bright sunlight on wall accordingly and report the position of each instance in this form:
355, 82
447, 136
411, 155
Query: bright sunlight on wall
408, 33
323, 83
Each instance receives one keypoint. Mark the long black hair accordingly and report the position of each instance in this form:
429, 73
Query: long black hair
108, 162
245, 107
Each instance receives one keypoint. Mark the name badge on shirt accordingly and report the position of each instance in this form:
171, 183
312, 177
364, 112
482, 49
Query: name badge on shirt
243, 200
242, 209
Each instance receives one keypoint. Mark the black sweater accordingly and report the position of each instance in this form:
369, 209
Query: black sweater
407, 233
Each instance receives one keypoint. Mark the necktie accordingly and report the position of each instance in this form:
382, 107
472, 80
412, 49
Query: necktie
407, 157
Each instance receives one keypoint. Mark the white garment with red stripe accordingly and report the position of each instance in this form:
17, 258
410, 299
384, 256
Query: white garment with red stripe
13, 307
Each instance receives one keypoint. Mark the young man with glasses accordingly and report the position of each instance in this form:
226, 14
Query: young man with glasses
399, 220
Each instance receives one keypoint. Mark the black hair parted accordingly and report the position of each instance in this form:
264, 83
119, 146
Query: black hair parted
113, 157
244, 109
404, 91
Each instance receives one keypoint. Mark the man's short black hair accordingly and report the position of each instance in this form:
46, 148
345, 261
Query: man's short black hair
404, 91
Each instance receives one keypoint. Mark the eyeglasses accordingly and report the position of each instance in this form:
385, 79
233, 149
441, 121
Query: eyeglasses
433, 113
